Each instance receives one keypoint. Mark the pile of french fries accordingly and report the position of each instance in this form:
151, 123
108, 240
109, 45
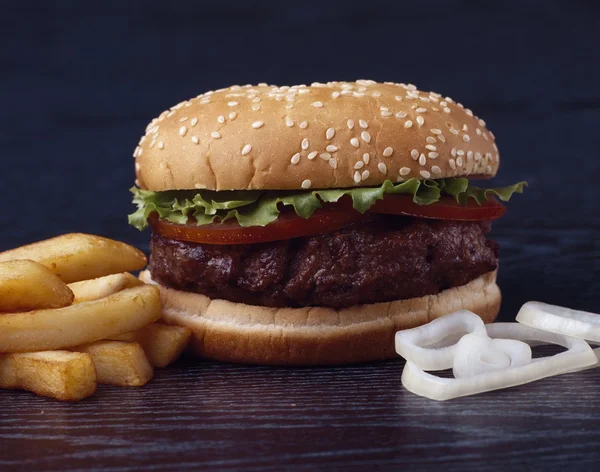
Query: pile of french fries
72, 317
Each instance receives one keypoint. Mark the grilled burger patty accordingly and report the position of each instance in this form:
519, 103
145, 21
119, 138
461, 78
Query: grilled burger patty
383, 259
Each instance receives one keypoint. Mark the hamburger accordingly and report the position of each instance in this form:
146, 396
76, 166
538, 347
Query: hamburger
308, 224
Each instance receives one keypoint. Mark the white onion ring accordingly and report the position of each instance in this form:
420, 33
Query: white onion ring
425, 345
561, 320
578, 355
476, 355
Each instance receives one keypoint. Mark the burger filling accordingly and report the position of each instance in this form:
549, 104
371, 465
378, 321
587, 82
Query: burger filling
331, 248
381, 259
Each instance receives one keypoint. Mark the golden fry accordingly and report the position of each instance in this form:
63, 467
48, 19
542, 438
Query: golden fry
26, 285
162, 343
82, 323
74, 257
119, 363
94, 289
62, 375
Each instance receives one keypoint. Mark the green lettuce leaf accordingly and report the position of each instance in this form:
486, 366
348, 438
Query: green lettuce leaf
259, 208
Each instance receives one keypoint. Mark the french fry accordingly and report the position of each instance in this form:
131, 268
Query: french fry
26, 285
82, 323
74, 257
63, 375
162, 343
119, 363
94, 289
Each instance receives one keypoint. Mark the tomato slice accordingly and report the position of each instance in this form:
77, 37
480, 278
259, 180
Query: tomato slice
447, 208
287, 226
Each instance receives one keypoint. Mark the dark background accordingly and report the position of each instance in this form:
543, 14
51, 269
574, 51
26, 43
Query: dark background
80, 80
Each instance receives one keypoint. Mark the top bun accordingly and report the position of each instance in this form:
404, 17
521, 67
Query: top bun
334, 135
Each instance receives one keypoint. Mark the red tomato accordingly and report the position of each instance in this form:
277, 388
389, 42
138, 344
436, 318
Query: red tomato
287, 226
330, 218
447, 208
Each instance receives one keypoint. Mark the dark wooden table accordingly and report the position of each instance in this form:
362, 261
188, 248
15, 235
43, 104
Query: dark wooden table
209, 416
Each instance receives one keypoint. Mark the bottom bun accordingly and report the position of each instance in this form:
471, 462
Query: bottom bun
235, 332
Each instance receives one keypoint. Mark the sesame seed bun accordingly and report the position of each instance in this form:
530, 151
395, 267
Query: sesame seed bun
334, 135
234, 332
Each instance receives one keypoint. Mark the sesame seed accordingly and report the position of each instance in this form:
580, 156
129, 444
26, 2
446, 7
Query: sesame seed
436, 170
489, 169
221, 119
431, 147
485, 136
182, 131
232, 115
446, 110
335, 94
306, 183
407, 124
359, 165
305, 143
366, 157
204, 101
366, 137
469, 112
363, 124
350, 124
325, 156
469, 155
422, 159
388, 151
460, 152
161, 145
433, 155
404, 171
183, 118
357, 177
215, 134
152, 143
421, 110
441, 138
466, 138
465, 128
365, 174
401, 114
382, 168
481, 123
452, 164
255, 107
246, 149
420, 120
289, 122
495, 147
477, 131
386, 113
194, 122
331, 148
333, 163
477, 156
317, 104
312, 155
195, 139
295, 158
303, 124
435, 131
258, 124
354, 142
330, 133
232, 104
414, 154
398, 97
425, 174
453, 130
430, 139
459, 161
453, 152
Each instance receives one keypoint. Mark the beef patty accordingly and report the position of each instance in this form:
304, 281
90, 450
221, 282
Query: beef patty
383, 259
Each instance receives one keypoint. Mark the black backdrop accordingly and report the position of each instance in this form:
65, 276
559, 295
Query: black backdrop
79, 81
